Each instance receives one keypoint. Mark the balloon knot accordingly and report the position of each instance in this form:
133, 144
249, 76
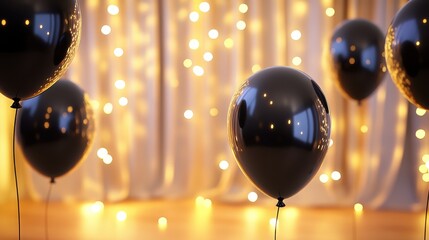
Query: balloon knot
16, 103
52, 180
280, 203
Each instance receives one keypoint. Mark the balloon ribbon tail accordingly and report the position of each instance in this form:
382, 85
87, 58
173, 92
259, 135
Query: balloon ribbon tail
16, 103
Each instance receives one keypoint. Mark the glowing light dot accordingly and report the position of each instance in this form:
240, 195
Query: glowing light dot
352, 60
118, 52
256, 67
108, 159
123, 101
335, 175
194, 44
198, 70
224, 165
204, 7
241, 25
271, 126
295, 35
424, 20
426, 165
162, 223
208, 56
420, 112
113, 9
418, 43
69, 109
194, 16
229, 43
27, 22
324, 178
102, 152
420, 134
425, 158
364, 128
106, 29
213, 34
41, 26
214, 112
423, 168
3, 22
120, 84
296, 61
46, 125
199, 200
330, 12
97, 207
352, 47
108, 108
358, 207
243, 8
188, 114
425, 177
273, 222
207, 203
121, 216
252, 196
187, 63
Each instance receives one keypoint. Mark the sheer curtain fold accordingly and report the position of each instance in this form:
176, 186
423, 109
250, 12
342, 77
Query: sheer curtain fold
161, 80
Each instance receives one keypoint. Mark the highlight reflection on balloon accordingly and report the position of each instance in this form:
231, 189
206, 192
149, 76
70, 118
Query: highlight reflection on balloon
407, 52
279, 128
356, 52
38, 40
56, 129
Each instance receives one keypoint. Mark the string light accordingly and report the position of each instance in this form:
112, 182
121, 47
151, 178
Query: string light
162, 223
213, 34
102, 152
198, 70
295, 35
120, 84
364, 128
296, 61
252, 197
224, 165
425, 177
118, 52
241, 25
199, 200
420, 134
194, 16
106, 29
108, 108
358, 207
324, 178
187, 63
229, 43
420, 112
425, 158
188, 114
208, 56
423, 168
204, 7
121, 216
243, 8
335, 175
113, 9
27, 22
330, 12
214, 112
123, 101
194, 44
108, 159
3, 22
97, 207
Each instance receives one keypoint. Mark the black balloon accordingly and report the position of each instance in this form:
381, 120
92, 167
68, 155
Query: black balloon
56, 128
357, 61
38, 40
407, 51
279, 129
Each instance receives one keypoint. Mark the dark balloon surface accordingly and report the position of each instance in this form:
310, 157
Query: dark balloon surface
56, 128
357, 61
279, 129
38, 40
407, 52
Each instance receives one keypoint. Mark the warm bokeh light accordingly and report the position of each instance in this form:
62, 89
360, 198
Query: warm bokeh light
194, 44
252, 197
187, 63
188, 114
425, 158
208, 56
229, 43
204, 7
120, 84
27, 22
162, 223
331, 142
194, 16
330, 12
425, 177
420, 112
106, 29
256, 68
118, 52
364, 128
108, 159
199, 201
224, 165
273, 222
335, 175
207, 203
324, 178
97, 207
213, 34
296, 61
241, 25
3, 22
295, 35
113, 9
123, 101
121, 216
102, 152
198, 71
108, 108
214, 112
358, 207
423, 168
420, 134
243, 8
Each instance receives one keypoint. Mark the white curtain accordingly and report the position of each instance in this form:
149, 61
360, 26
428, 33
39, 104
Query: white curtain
161, 104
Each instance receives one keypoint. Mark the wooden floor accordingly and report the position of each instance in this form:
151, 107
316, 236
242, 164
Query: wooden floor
192, 220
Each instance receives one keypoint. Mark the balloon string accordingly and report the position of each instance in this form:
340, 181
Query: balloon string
426, 216
354, 226
279, 205
48, 196
16, 105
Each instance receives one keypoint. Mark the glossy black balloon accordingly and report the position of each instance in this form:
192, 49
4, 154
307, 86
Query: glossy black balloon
38, 40
279, 129
56, 128
356, 56
407, 51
